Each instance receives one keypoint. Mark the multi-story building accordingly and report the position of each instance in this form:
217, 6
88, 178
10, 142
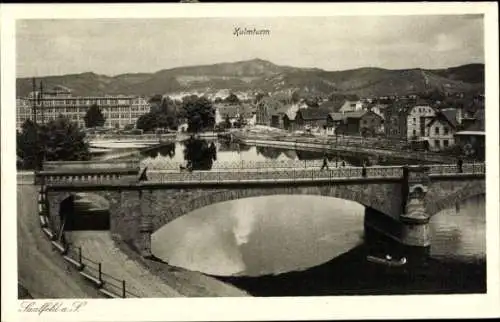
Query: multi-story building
118, 110
407, 119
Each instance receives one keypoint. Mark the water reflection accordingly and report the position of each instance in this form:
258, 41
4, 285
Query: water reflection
164, 150
266, 235
278, 234
199, 154
459, 233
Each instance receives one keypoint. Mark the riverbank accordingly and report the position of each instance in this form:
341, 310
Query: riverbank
186, 282
371, 147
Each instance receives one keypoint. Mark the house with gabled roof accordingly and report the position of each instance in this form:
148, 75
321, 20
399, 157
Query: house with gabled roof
354, 123
441, 130
471, 140
343, 103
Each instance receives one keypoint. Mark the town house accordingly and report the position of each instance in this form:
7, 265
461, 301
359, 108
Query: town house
441, 130
354, 123
269, 112
407, 119
313, 119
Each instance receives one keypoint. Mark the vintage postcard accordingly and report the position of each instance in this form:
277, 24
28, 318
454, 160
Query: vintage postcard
182, 162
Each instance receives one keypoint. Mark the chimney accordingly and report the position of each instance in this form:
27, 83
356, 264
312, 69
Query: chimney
459, 114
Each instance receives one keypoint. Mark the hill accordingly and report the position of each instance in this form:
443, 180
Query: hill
261, 75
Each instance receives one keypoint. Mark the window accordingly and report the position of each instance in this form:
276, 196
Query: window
446, 130
414, 120
414, 132
436, 143
446, 143
436, 130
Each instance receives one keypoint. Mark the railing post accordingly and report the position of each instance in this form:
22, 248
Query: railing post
100, 272
80, 254
124, 293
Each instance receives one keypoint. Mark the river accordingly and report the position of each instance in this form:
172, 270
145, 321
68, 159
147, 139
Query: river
312, 245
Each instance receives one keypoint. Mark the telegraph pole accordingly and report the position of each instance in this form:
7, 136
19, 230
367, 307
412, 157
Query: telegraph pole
41, 102
33, 101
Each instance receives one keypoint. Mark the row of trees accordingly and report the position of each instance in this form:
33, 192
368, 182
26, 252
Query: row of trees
58, 139
166, 113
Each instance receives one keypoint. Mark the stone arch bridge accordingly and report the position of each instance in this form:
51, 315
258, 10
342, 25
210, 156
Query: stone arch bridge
399, 200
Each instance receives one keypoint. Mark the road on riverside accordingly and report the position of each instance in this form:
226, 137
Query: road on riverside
41, 269
45, 274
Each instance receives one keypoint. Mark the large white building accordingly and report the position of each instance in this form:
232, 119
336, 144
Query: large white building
117, 110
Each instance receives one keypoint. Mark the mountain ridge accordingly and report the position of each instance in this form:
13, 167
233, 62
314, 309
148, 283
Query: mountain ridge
261, 75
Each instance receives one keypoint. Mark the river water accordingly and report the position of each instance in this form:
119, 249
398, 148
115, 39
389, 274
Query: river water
312, 245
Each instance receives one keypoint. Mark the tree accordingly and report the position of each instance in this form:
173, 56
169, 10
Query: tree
58, 140
94, 117
199, 113
241, 122
227, 122
218, 100
295, 97
259, 96
232, 99
147, 122
163, 114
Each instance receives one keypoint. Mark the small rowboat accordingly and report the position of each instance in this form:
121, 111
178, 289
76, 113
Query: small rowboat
388, 261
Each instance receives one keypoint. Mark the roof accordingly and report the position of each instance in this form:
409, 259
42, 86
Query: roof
336, 116
450, 115
235, 110
273, 105
478, 124
313, 113
355, 114
471, 133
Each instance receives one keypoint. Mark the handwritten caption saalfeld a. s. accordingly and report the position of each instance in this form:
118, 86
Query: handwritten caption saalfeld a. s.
52, 307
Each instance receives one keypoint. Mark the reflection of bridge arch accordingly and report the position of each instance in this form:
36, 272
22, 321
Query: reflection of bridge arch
449, 201
164, 212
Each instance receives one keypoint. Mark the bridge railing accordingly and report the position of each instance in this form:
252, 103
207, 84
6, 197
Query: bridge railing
285, 174
96, 176
468, 168
355, 143
243, 164
91, 165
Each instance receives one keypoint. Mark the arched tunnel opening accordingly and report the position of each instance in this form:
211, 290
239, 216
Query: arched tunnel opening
84, 211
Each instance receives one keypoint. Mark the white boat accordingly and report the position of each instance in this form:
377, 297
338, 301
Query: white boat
388, 261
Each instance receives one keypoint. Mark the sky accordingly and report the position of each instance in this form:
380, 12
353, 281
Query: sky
117, 46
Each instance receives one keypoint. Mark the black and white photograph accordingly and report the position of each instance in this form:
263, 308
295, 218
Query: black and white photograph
219, 157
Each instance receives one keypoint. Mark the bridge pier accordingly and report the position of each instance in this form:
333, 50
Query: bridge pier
415, 229
145, 226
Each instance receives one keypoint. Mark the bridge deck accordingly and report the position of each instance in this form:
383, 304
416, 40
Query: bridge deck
254, 176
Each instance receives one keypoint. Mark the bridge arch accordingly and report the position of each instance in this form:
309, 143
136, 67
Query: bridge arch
467, 191
78, 211
163, 212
